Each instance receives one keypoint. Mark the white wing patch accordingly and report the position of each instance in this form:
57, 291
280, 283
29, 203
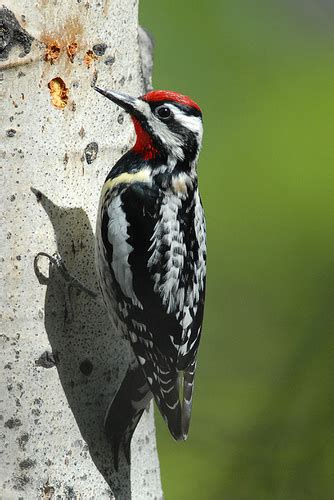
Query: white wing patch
117, 236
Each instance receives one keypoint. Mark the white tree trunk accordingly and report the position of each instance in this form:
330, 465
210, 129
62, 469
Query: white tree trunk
62, 363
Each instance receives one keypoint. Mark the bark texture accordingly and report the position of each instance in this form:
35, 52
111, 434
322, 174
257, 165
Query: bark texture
61, 362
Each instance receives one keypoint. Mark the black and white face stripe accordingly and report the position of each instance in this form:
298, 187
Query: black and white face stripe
180, 133
175, 128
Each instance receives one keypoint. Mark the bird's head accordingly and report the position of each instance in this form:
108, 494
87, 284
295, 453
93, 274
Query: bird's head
167, 124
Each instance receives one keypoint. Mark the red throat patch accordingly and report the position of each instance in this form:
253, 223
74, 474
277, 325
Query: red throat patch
144, 143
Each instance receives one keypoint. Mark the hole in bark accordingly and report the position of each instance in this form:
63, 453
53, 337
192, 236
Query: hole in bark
91, 151
52, 52
72, 49
59, 93
99, 49
89, 58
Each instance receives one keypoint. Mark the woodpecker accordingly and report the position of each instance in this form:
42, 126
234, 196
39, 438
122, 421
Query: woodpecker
151, 260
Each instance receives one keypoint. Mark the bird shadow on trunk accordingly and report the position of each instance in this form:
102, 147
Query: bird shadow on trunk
90, 358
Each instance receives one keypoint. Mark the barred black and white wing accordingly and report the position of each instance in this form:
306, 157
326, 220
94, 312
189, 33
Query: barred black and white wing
152, 243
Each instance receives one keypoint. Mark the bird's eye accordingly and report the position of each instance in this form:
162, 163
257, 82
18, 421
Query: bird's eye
163, 112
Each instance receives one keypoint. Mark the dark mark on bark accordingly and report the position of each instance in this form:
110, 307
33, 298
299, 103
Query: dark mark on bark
47, 491
13, 423
10, 132
22, 440
11, 34
46, 360
82, 132
109, 61
69, 492
28, 463
99, 49
91, 151
20, 482
86, 367
94, 78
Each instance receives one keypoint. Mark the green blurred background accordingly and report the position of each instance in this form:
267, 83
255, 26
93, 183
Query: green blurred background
263, 415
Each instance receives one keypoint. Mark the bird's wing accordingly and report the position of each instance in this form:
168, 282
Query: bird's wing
160, 290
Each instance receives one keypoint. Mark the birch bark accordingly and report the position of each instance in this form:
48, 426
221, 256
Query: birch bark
61, 362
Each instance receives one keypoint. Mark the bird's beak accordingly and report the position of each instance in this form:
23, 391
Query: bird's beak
130, 104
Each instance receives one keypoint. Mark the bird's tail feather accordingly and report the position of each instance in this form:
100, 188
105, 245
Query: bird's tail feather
187, 396
173, 396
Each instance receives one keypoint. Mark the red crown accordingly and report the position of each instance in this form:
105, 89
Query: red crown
166, 95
